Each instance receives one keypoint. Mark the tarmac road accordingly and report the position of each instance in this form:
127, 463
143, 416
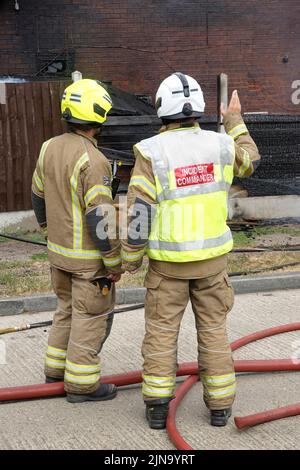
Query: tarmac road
120, 424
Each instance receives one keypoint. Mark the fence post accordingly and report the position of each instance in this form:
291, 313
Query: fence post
76, 76
222, 88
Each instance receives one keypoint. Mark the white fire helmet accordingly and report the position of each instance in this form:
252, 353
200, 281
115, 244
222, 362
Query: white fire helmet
179, 96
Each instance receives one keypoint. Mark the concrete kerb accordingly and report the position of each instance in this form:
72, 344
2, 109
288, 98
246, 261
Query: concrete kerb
241, 285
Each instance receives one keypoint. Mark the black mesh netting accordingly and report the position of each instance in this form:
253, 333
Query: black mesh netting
278, 140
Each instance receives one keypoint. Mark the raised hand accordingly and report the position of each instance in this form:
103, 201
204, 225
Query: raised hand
234, 105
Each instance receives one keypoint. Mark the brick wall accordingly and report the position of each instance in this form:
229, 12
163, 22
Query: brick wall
137, 43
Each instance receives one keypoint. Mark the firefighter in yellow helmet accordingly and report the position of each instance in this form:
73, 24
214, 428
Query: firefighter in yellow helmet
177, 203
71, 192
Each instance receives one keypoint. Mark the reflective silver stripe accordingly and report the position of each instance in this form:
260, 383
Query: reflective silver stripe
238, 130
78, 222
159, 382
82, 379
106, 97
56, 352
55, 364
191, 245
161, 392
84, 369
158, 392
75, 97
161, 167
112, 261
195, 190
222, 392
70, 253
42, 156
133, 256
222, 379
76, 207
150, 189
94, 191
246, 165
38, 181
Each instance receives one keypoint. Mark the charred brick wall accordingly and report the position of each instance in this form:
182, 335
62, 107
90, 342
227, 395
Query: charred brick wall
137, 43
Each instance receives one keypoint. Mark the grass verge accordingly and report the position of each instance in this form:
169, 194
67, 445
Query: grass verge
32, 276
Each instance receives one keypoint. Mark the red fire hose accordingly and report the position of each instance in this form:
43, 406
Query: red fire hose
240, 366
266, 416
191, 369
172, 430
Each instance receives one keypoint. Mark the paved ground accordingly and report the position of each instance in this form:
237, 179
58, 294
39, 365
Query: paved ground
24, 220
120, 424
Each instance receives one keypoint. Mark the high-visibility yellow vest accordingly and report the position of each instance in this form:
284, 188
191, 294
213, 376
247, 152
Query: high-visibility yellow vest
193, 172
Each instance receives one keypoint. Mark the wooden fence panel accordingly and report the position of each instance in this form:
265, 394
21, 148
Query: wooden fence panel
3, 162
29, 116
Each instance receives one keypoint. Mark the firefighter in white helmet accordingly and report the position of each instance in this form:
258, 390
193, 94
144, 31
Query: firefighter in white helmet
177, 202
71, 191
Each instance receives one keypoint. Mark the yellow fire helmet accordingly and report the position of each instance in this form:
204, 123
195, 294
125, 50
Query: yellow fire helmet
85, 102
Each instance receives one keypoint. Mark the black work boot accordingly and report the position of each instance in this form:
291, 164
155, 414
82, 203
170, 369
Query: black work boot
103, 392
51, 380
219, 417
157, 412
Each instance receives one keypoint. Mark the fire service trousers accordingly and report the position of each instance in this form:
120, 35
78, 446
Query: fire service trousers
80, 327
166, 300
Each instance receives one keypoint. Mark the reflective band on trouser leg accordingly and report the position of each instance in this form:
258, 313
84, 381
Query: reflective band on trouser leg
55, 362
165, 303
82, 374
132, 256
91, 321
59, 334
219, 388
111, 262
56, 353
158, 387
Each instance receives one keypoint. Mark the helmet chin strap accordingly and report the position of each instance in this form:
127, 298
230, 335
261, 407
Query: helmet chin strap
185, 83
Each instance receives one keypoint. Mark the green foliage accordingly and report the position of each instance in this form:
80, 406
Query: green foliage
40, 257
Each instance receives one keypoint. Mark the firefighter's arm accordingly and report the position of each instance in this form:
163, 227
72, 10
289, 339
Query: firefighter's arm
247, 157
141, 201
38, 199
101, 214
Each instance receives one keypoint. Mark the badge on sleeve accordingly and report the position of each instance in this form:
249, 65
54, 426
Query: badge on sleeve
106, 181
